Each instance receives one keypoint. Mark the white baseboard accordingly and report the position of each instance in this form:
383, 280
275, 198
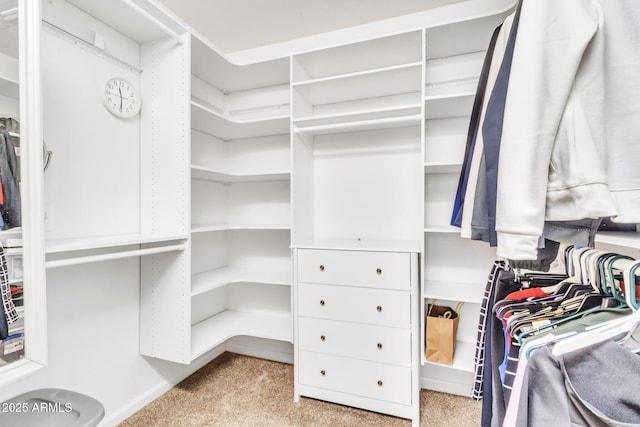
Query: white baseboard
277, 351
264, 349
459, 389
114, 418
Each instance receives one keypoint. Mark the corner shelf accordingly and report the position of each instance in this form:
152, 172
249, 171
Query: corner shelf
210, 333
208, 174
213, 279
205, 118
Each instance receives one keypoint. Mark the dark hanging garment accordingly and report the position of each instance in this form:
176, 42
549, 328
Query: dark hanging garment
11, 209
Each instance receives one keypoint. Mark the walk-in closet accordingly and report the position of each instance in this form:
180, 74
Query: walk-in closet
383, 213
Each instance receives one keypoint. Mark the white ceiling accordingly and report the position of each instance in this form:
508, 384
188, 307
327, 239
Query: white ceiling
234, 25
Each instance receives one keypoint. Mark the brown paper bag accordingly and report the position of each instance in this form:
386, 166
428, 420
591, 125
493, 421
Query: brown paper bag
441, 330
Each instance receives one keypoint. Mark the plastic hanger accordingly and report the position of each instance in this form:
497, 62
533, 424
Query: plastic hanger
626, 325
609, 278
629, 277
596, 274
605, 331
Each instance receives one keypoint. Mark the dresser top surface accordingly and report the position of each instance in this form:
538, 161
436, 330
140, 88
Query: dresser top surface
361, 245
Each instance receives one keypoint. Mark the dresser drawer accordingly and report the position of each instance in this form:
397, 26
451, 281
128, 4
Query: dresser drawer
368, 379
361, 305
374, 343
387, 270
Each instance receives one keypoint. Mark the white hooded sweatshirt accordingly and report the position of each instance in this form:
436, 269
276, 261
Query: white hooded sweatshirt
570, 146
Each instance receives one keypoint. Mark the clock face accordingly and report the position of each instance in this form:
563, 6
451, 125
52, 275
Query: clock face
121, 98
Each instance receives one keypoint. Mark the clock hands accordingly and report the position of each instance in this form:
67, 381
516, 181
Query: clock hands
128, 104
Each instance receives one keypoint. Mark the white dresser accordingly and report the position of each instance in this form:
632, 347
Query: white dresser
356, 337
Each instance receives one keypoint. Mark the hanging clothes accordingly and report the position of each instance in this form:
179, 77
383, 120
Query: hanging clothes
474, 125
9, 176
590, 289
569, 148
562, 387
7, 309
466, 197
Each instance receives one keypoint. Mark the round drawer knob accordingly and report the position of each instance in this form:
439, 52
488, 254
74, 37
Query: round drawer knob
379, 346
321, 267
380, 383
379, 308
379, 271
323, 373
322, 338
322, 302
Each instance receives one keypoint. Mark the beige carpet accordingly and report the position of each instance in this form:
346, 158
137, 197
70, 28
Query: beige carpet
236, 390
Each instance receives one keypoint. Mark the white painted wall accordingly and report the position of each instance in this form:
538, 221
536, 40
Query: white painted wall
93, 323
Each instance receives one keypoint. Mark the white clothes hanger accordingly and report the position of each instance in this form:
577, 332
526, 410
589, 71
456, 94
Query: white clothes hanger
602, 332
611, 329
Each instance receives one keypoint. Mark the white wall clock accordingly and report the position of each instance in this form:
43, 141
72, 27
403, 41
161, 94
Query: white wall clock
121, 98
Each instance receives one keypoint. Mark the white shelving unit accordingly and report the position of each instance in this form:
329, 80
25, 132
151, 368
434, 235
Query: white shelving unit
115, 189
357, 185
454, 269
217, 329
87, 205
240, 200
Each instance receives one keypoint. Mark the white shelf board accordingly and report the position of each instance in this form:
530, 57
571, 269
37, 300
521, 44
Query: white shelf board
397, 79
362, 125
463, 358
206, 119
627, 239
144, 21
451, 89
135, 253
454, 291
355, 116
99, 242
9, 88
441, 229
434, 167
361, 245
451, 105
208, 174
213, 67
11, 238
214, 331
213, 279
205, 228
